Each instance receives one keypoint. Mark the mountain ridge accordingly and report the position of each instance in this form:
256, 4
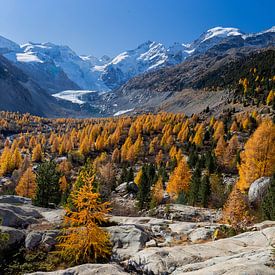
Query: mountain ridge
105, 74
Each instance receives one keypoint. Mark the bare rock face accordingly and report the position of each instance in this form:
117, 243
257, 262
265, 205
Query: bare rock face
87, 269
18, 216
15, 237
127, 240
14, 199
179, 212
257, 190
45, 239
232, 254
33, 239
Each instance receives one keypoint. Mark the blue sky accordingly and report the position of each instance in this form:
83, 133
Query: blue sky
110, 26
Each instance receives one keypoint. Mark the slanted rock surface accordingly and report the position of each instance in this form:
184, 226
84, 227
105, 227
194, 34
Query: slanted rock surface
249, 247
88, 269
127, 240
18, 216
186, 213
257, 190
179, 242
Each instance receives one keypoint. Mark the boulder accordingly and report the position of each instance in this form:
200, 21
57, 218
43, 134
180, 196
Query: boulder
18, 216
87, 269
122, 188
201, 234
33, 240
15, 237
185, 213
257, 190
54, 216
127, 240
151, 243
14, 199
49, 239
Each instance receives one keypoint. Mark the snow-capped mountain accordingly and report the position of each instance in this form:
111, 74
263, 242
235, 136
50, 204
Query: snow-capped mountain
58, 68
55, 59
147, 56
7, 45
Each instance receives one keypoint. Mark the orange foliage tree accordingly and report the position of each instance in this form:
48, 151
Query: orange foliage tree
179, 179
27, 184
83, 240
258, 157
236, 211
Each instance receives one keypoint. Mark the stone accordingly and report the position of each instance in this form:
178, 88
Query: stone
54, 216
257, 190
18, 216
15, 237
255, 247
261, 226
14, 199
127, 240
151, 243
87, 269
185, 213
49, 239
33, 240
243, 263
122, 188
201, 234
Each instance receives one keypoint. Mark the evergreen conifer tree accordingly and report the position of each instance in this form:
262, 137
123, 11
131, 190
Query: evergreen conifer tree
48, 187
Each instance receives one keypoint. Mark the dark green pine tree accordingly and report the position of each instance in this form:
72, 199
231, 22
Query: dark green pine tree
204, 191
48, 189
193, 158
148, 179
268, 204
130, 175
210, 162
124, 175
163, 174
194, 186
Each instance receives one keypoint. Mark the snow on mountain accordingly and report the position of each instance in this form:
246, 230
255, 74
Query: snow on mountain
147, 56
48, 61
121, 112
211, 38
77, 68
220, 32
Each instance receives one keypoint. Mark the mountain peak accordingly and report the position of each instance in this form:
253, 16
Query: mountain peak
220, 32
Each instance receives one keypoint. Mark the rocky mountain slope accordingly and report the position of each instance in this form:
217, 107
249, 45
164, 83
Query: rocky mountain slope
191, 86
146, 70
19, 92
88, 72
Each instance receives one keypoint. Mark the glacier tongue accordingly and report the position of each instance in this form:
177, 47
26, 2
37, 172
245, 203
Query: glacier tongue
73, 96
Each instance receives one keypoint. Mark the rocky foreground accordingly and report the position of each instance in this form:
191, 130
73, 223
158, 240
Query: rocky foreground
181, 242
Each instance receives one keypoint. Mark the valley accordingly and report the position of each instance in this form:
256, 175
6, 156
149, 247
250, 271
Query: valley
159, 160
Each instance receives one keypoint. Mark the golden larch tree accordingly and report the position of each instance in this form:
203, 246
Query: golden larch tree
231, 151
27, 184
236, 211
37, 153
83, 240
258, 157
158, 191
220, 150
179, 179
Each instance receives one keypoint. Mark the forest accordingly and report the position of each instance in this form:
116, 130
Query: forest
163, 158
